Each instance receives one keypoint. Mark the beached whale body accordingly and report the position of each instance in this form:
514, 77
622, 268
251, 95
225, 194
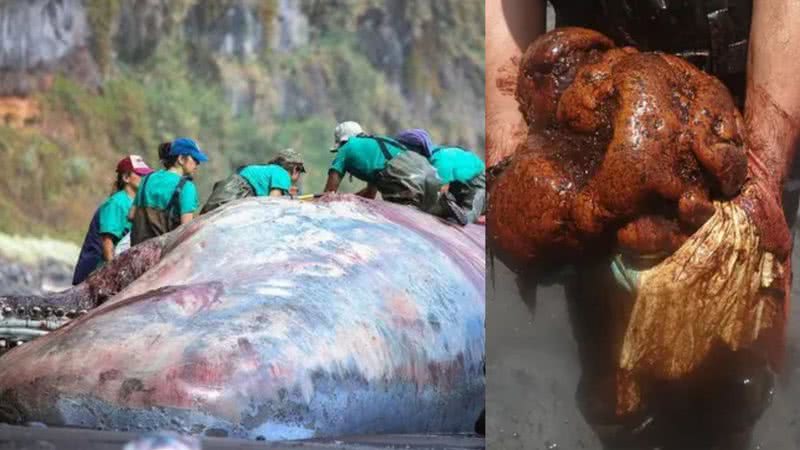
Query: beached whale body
275, 318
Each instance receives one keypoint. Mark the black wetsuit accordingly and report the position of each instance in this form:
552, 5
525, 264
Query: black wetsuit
712, 34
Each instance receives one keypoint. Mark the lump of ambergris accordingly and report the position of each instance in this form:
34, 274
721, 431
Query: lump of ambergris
614, 134
642, 154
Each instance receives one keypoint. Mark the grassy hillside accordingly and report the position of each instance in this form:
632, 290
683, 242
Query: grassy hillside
56, 164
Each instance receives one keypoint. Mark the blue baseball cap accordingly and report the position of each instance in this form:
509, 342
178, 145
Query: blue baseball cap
186, 146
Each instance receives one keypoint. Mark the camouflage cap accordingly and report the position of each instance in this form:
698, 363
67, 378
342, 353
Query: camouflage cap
290, 156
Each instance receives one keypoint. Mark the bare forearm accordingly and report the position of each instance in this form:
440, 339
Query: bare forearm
108, 248
333, 181
511, 25
772, 107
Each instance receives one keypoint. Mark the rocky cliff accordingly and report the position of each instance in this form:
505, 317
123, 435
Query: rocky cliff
83, 82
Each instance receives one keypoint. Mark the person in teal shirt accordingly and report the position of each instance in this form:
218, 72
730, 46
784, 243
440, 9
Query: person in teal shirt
110, 222
274, 179
456, 165
462, 173
168, 197
385, 165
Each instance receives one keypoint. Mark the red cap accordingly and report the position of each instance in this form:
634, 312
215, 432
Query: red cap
135, 164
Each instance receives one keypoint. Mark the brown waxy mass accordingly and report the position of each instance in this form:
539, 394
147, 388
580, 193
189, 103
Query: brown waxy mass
644, 155
615, 137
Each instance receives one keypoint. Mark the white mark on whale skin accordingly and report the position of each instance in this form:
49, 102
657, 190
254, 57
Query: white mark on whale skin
320, 270
274, 292
279, 431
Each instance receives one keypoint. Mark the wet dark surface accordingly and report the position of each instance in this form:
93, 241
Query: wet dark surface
533, 371
38, 438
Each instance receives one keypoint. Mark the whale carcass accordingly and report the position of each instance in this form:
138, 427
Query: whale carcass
269, 318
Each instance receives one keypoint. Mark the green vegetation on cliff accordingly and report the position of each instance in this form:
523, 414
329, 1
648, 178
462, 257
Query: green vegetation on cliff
242, 108
100, 14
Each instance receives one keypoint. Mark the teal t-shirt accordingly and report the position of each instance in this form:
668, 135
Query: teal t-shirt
362, 157
156, 189
456, 164
266, 178
114, 216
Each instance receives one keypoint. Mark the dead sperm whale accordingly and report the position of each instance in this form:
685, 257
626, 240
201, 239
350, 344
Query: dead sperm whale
270, 318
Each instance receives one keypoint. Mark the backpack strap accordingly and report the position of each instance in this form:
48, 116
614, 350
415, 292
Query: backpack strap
384, 150
144, 183
174, 203
382, 144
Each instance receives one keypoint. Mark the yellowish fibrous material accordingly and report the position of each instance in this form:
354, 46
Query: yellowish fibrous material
710, 290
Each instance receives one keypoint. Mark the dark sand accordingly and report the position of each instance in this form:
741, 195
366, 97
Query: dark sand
533, 372
38, 438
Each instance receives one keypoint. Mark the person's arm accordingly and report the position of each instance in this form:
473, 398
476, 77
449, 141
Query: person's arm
131, 213
108, 247
338, 169
368, 192
445, 188
511, 25
189, 202
112, 225
334, 180
280, 183
772, 106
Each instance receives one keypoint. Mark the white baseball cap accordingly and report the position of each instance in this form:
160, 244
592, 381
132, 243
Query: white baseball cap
345, 131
